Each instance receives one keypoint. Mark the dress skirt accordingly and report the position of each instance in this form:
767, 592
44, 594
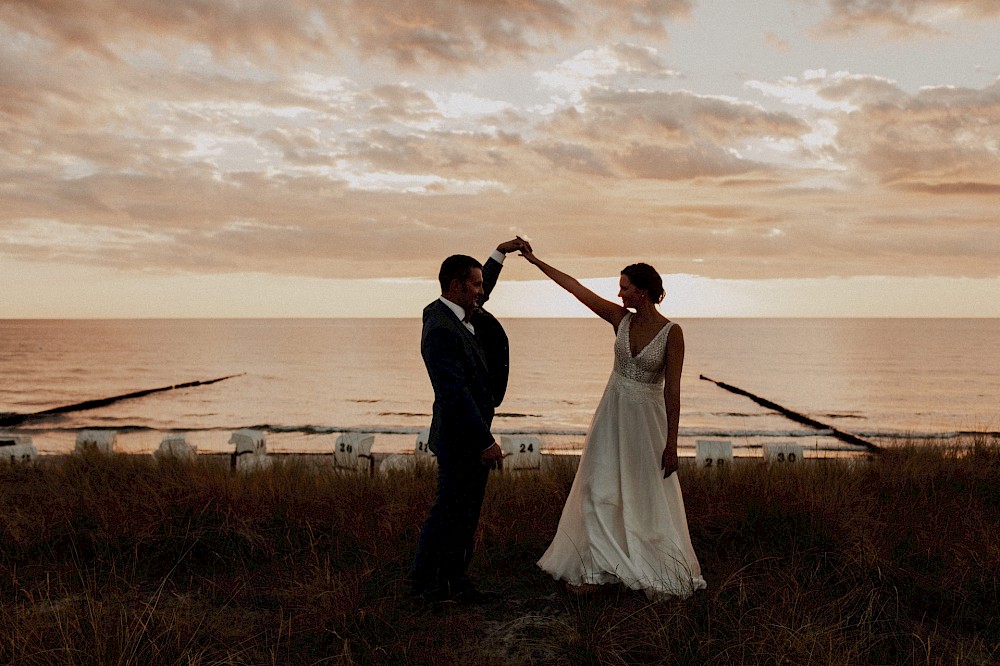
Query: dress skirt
623, 522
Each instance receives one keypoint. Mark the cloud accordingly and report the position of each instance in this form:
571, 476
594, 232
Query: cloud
673, 135
693, 161
141, 143
104, 27
938, 140
903, 18
820, 90
941, 136
597, 66
414, 33
577, 158
663, 114
984, 189
456, 33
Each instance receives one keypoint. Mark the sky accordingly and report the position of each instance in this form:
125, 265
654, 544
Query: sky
297, 158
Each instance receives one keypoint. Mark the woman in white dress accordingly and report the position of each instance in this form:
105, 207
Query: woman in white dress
624, 521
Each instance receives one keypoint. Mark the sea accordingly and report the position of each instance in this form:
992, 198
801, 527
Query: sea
305, 381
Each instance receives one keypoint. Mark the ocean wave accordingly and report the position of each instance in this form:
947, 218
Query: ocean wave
499, 415
906, 434
719, 433
763, 414
727, 414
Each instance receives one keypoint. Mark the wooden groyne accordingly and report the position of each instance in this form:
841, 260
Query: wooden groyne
798, 417
8, 420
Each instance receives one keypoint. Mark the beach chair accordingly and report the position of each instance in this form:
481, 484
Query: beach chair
782, 452
17, 449
99, 441
422, 454
175, 446
249, 442
713, 453
396, 462
521, 452
422, 448
250, 450
353, 452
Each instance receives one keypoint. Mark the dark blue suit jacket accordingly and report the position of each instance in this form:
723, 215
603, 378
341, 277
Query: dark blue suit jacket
468, 373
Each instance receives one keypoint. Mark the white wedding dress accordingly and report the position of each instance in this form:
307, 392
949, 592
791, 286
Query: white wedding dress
623, 522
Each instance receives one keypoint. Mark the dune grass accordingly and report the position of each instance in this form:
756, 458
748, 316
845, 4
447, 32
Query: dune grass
122, 560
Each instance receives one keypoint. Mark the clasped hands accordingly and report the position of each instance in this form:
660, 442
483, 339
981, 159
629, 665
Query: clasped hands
516, 245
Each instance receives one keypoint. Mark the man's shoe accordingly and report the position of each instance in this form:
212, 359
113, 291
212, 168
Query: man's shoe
471, 595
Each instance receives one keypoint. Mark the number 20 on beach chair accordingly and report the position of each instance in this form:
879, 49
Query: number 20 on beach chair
353, 452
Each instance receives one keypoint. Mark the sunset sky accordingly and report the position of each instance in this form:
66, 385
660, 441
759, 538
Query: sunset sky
215, 158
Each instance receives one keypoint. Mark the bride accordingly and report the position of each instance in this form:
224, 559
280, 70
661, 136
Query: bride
623, 522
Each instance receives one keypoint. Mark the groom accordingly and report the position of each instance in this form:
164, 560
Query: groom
466, 354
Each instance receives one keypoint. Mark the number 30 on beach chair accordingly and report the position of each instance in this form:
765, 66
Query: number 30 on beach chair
781, 452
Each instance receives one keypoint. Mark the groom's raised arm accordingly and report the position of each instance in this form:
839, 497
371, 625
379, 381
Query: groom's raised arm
493, 265
491, 273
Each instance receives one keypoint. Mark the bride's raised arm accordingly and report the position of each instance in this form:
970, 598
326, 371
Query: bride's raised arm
605, 309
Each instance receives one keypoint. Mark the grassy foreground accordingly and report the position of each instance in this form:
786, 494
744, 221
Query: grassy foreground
125, 561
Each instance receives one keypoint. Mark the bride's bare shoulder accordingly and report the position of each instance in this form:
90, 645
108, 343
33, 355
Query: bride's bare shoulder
674, 331
616, 317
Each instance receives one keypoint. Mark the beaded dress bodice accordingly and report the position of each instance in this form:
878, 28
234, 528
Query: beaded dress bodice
647, 366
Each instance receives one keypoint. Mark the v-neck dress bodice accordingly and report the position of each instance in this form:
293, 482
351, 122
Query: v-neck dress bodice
647, 365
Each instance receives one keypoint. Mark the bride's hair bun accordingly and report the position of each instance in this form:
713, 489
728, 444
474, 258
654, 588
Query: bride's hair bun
646, 278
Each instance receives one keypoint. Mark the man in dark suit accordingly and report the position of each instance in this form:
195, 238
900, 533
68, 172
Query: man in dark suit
466, 354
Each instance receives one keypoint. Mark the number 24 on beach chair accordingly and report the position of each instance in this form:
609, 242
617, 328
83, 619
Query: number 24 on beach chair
521, 452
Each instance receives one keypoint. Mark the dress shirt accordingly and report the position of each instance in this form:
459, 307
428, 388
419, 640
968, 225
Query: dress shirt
459, 311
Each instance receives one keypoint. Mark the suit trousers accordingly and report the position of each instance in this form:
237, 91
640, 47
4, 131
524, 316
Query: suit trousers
448, 536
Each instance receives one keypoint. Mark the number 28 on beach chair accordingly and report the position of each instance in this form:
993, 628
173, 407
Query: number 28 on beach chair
713, 453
